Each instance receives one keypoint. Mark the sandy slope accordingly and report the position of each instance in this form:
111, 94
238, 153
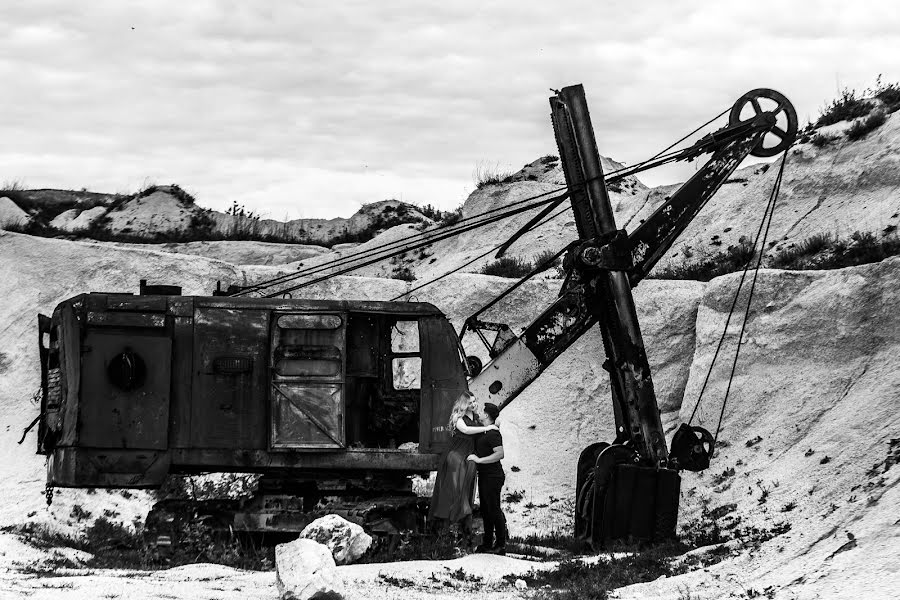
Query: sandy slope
818, 372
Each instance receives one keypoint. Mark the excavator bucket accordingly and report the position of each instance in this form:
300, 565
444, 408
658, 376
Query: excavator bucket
621, 500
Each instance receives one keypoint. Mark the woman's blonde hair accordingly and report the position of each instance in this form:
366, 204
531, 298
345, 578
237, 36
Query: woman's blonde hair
459, 409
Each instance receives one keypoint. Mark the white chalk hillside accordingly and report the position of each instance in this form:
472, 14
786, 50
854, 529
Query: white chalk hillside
819, 372
810, 452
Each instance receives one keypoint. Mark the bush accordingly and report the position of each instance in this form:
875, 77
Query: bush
860, 128
845, 108
734, 258
820, 141
403, 273
547, 259
507, 266
822, 251
889, 94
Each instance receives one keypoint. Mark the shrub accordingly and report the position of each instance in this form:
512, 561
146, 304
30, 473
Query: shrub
889, 94
507, 266
451, 217
820, 141
547, 259
734, 258
404, 273
860, 128
845, 108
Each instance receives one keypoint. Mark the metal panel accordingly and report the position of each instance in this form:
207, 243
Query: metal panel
444, 380
126, 319
182, 380
229, 408
307, 416
112, 417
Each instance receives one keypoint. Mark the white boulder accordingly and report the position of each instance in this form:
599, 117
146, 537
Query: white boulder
11, 214
86, 218
347, 541
305, 570
64, 219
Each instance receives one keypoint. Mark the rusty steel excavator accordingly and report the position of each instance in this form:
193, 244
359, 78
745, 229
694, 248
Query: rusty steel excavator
344, 400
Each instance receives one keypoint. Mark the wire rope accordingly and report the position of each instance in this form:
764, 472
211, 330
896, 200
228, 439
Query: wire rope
404, 244
469, 262
764, 225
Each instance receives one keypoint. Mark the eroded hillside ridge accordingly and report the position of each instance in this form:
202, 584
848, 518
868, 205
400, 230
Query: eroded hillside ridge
167, 213
834, 188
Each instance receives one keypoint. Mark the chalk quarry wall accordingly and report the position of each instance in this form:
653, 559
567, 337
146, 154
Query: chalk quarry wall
818, 376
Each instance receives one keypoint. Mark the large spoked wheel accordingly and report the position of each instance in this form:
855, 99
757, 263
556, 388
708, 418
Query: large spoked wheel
762, 100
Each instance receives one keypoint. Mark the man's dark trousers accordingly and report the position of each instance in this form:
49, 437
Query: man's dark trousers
489, 489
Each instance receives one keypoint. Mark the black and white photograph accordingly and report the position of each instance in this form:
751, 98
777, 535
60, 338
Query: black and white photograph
482, 300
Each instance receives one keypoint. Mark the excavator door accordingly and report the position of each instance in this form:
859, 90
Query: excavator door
307, 380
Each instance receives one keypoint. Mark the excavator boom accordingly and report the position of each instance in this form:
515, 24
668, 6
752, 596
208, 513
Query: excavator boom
602, 269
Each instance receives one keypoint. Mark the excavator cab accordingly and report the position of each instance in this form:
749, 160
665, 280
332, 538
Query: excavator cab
136, 387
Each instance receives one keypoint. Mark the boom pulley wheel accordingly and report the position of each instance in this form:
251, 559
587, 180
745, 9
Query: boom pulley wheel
763, 100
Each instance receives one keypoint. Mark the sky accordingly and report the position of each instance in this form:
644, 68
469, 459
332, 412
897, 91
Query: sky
311, 109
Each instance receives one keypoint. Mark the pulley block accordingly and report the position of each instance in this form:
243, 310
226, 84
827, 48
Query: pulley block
692, 447
762, 100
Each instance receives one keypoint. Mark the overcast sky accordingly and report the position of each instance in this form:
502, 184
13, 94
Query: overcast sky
309, 109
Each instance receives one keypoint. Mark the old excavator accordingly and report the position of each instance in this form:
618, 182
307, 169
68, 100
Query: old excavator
345, 400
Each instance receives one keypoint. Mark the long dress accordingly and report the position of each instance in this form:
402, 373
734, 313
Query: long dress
454, 486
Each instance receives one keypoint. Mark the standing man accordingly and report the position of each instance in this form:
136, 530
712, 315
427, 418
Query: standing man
488, 452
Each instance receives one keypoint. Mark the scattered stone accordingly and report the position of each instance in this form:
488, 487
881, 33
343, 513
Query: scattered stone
347, 541
521, 584
305, 570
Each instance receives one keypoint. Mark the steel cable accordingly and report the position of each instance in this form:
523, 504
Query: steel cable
764, 225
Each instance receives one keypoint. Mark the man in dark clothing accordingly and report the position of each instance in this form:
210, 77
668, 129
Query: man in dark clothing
488, 452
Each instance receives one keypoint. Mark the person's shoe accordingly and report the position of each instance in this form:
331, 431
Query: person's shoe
500, 550
482, 549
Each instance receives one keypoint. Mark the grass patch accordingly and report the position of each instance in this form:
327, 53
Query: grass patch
414, 546
556, 540
115, 546
578, 580
823, 251
820, 251
485, 174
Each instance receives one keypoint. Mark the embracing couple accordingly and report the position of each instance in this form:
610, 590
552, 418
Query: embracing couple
476, 446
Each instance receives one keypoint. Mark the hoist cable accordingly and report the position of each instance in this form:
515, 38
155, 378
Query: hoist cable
467, 263
737, 350
402, 250
459, 226
658, 159
769, 206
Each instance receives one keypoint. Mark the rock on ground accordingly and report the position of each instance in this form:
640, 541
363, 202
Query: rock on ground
347, 541
305, 570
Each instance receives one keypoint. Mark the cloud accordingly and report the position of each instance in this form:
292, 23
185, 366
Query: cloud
231, 98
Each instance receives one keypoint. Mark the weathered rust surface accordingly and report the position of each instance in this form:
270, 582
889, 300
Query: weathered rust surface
228, 410
653, 238
215, 372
